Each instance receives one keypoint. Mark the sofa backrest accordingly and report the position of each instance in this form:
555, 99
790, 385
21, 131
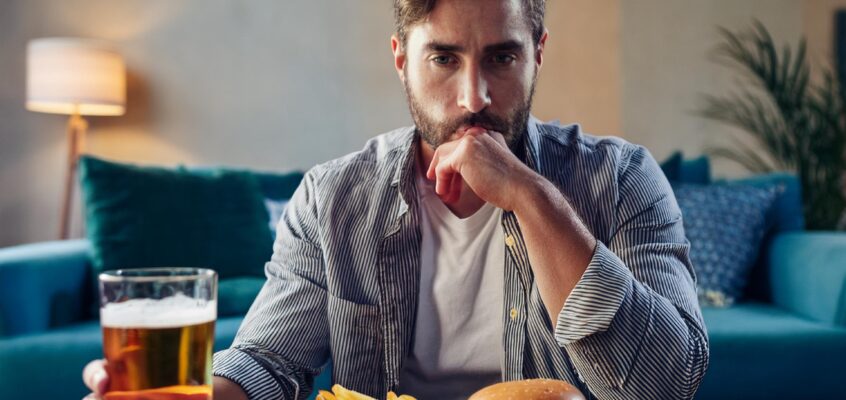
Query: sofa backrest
278, 186
785, 215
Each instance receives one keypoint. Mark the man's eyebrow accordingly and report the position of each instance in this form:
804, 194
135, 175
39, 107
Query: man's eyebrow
444, 47
508, 45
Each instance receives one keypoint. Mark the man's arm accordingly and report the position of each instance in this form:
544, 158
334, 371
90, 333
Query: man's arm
625, 311
283, 341
96, 378
560, 247
224, 389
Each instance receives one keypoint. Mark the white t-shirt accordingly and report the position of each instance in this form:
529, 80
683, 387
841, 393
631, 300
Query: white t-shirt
458, 335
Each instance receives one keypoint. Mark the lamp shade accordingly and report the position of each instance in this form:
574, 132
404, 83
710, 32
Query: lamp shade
67, 75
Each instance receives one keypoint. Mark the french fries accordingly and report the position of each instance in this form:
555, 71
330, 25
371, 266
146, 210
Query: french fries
341, 393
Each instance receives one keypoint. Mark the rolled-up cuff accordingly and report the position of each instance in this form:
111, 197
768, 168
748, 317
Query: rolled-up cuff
595, 299
247, 372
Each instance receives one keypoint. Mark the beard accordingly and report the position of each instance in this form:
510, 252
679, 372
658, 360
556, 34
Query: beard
435, 133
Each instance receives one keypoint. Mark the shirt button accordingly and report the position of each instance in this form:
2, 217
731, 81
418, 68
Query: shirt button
513, 314
509, 241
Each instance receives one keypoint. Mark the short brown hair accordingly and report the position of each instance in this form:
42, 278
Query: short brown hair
410, 12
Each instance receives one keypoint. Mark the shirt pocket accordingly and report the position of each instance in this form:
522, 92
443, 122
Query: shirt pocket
355, 342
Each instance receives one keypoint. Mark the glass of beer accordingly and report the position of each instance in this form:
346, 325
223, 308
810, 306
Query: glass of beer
158, 332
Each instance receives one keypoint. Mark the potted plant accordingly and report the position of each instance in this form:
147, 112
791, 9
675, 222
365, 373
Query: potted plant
800, 124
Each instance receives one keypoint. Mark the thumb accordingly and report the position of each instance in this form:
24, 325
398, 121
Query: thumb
499, 138
95, 377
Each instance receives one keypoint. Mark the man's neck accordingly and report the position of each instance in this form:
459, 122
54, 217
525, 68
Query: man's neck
468, 203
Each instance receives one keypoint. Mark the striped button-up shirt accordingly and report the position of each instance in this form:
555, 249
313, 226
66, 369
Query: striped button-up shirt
343, 280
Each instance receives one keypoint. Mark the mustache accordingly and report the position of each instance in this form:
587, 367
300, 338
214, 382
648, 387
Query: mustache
483, 118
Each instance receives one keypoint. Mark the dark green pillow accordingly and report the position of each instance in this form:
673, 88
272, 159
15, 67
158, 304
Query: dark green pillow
278, 186
156, 217
672, 166
236, 295
677, 169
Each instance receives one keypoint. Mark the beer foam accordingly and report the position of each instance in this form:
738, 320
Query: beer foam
174, 311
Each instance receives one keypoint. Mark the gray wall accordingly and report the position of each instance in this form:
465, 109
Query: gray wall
666, 67
286, 84
265, 84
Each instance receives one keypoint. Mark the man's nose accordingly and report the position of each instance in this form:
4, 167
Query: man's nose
473, 96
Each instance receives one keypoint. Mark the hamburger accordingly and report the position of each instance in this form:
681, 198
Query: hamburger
529, 389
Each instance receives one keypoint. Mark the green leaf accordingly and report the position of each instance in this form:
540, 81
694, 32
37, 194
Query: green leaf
800, 126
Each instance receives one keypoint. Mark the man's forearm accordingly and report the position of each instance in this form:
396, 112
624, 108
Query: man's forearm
224, 389
559, 245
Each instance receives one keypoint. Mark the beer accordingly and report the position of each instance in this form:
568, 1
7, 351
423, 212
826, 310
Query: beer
159, 349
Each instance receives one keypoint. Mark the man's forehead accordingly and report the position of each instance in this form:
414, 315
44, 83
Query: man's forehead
477, 24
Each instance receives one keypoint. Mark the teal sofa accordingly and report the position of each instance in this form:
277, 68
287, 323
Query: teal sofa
49, 326
786, 339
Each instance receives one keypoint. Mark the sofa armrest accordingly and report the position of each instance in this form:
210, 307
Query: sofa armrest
808, 275
43, 285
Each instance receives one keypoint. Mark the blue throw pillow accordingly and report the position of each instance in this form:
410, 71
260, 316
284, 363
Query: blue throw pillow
725, 224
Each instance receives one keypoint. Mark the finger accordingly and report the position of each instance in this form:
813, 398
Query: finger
95, 377
454, 193
447, 196
444, 174
475, 131
443, 181
430, 173
498, 137
91, 396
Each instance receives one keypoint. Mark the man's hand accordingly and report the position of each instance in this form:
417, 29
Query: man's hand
97, 379
559, 245
482, 159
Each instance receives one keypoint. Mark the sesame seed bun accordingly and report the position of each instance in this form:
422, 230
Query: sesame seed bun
529, 389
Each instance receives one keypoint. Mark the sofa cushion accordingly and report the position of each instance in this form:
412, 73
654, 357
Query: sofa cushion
761, 352
275, 209
725, 225
278, 186
786, 214
236, 295
49, 365
677, 169
151, 217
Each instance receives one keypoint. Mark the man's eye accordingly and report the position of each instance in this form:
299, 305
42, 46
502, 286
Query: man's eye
442, 60
503, 59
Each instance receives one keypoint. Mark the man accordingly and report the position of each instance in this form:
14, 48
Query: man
481, 245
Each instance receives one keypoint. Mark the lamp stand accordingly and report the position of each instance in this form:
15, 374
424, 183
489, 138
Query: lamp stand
77, 126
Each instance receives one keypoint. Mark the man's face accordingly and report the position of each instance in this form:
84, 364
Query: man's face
470, 63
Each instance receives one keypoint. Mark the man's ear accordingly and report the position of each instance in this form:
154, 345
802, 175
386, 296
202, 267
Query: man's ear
399, 56
539, 49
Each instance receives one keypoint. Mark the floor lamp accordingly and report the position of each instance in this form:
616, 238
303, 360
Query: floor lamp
75, 77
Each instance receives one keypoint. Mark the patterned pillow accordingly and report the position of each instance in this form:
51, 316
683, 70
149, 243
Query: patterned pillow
275, 209
725, 224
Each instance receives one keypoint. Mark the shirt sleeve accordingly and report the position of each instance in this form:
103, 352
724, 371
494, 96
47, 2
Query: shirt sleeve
632, 324
283, 341
594, 301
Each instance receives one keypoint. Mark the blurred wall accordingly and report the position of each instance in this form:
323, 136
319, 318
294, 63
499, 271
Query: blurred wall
265, 84
279, 85
580, 77
666, 68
